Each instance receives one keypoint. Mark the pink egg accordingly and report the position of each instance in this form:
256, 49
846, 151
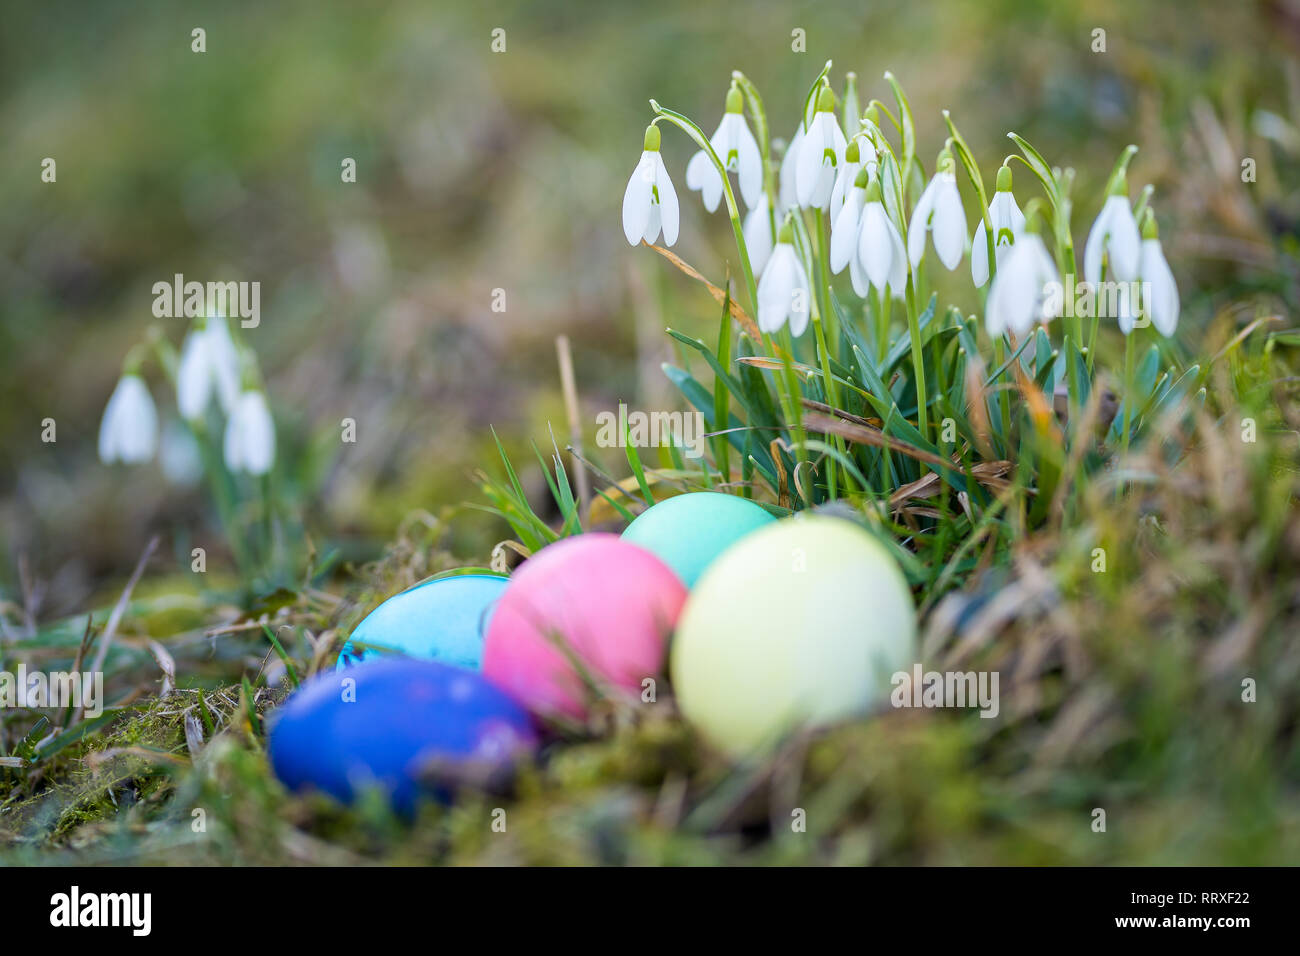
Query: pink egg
611, 603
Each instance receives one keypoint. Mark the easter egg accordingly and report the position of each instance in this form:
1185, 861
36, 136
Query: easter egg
443, 620
803, 622
688, 531
595, 599
389, 722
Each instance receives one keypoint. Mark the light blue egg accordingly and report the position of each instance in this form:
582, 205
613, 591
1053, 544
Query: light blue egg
443, 620
688, 531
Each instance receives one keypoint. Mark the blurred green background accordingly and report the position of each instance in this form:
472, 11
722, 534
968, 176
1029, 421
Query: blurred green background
480, 171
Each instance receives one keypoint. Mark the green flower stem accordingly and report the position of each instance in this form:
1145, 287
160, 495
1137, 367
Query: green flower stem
1129, 389
823, 292
918, 364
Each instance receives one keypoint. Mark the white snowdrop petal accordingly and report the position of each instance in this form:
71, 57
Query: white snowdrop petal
1095, 246
194, 376
636, 199
812, 152
844, 230
800, 299
919, 222
898, 262
669, 212
874, 247
949, 224
789, 191
775, 289
758, 235
1164, 303
979, 255
1123, 248
750, 171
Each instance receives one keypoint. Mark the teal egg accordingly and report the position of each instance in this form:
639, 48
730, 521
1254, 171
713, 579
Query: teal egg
688, 531
443, 619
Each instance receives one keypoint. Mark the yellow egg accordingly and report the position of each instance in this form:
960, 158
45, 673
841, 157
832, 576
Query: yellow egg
802, 622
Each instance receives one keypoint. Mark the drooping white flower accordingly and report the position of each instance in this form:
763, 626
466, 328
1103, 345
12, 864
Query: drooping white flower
939, 212
1008, 223
783, 291
209, 362
1159, 290
821, 154
650, 202
128, 432
738, 151
1114, 236
1025, 289
249, 443
223, 362
788, 197
844, 227
758, 234
880, 248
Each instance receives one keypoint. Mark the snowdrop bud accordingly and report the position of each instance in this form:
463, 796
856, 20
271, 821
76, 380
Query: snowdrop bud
650, 202
128, 431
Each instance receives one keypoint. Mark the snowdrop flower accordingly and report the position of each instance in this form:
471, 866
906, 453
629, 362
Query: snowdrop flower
844, 227
880, 247
1160, 292
1008, 223
738, 150
1022, 289
1114, 235
650, 202
848, 174
250, 435
788, 197
209, 362
939, 211
783, 291
128, 431
758, 234
821, 154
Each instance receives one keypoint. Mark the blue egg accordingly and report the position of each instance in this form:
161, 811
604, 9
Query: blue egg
443, 620
388, 722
